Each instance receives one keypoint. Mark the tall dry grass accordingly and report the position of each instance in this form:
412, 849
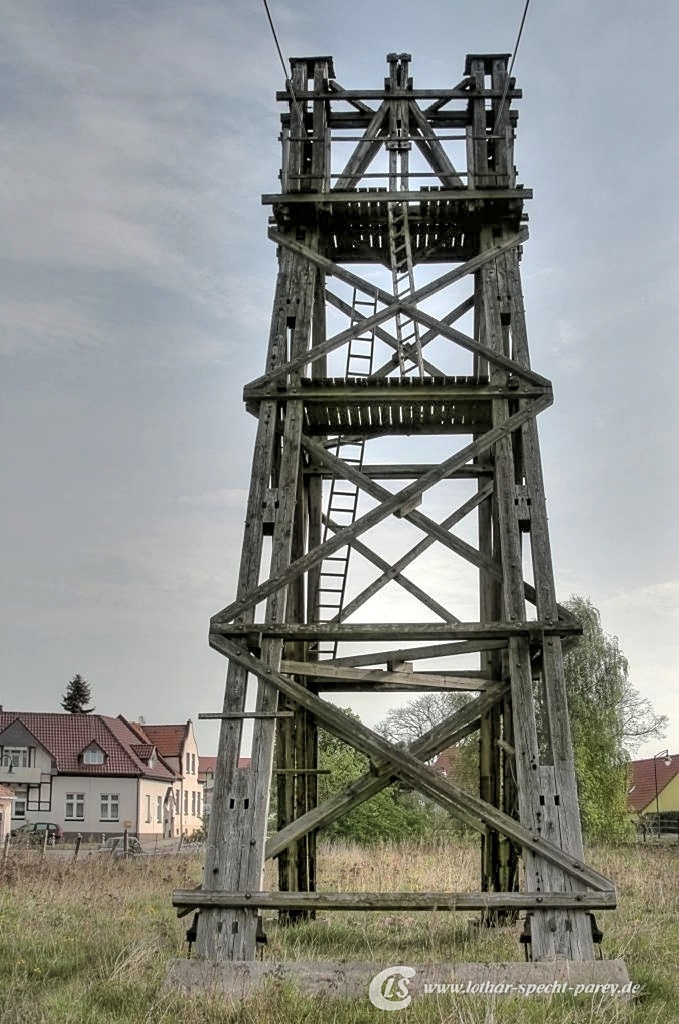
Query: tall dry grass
90, 942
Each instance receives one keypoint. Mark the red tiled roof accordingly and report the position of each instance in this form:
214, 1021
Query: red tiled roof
137, 728
143, 750
168, 739
643, 774
445, 763
208, 764
65, 737
5, 793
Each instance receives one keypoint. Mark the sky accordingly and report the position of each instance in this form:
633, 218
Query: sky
135, 299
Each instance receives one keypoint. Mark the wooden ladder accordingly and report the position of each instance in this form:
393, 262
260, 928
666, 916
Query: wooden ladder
342, 502
401, 256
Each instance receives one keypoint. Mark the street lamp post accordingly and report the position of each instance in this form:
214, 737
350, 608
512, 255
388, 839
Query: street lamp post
667, 760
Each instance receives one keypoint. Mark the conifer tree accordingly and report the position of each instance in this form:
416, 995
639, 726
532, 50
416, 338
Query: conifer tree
77, 695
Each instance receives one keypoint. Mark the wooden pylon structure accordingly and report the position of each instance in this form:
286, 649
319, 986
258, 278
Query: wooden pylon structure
396, 532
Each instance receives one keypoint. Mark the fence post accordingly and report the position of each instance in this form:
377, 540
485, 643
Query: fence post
78, 841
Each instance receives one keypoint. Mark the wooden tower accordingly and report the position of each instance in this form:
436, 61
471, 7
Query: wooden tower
396, 533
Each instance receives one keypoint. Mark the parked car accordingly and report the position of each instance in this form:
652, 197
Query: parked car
34, 832
115, 846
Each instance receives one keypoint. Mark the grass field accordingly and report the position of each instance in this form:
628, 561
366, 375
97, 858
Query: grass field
89, 942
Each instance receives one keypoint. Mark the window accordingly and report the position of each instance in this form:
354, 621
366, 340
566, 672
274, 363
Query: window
193, 764
159, 809
148, 807
15, 757
193, 803
95, 755
109, 807
188, 763
75, 806
198, 804
19, 808
186, 801
176, 800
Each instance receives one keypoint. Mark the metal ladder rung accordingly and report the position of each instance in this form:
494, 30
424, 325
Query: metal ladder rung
341, 506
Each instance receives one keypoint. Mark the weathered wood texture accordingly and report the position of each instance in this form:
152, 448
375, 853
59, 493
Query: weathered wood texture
393, 900
425, 376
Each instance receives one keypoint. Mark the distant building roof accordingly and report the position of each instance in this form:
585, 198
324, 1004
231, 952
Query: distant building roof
65, 737
642, 779
6, 793
168, 739
206, 765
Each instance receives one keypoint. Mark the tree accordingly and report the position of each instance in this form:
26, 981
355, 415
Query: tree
406, 723
390, 816
77, 695
609, 719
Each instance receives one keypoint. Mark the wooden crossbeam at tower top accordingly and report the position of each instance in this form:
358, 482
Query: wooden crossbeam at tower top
397, 430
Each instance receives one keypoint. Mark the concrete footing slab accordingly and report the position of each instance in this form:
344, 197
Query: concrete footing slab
397, 986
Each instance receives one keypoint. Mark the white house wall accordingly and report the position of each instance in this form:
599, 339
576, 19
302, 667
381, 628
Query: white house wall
5, 817
191, 815
92, 825
151, 814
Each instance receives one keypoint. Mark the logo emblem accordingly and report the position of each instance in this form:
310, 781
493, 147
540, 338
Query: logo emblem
389, 989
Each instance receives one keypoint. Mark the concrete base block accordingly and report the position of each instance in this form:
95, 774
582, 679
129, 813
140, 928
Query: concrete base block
395, 987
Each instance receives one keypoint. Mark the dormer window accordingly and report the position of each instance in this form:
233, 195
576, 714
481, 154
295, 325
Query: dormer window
94, 755
15, 757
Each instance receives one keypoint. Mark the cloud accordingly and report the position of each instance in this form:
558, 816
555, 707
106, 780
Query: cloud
31, 325
126, 159
234, 498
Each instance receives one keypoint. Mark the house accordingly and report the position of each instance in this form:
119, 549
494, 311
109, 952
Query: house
654, 786
177, 746
6, 800
206, 778
92, 774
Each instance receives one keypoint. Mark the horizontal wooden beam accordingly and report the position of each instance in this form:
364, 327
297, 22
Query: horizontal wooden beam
446, 95
459, 647
379, 631
196, 898
224, 715
413, 470
354, 678
387, 391
354, 120
447, 195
